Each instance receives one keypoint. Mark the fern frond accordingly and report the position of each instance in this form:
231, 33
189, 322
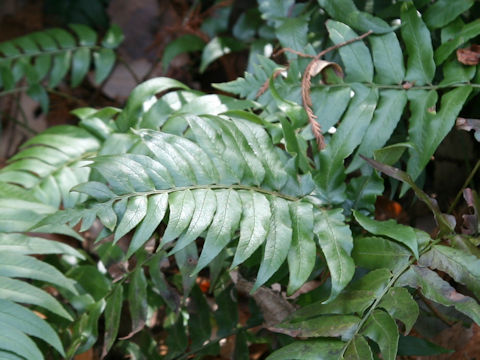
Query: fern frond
228, 178
49, 165
19, 322
49, 55
377, 67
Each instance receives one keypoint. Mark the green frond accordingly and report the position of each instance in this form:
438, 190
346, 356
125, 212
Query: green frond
48, 56
228, 182
49, 165
16, 266
366, 106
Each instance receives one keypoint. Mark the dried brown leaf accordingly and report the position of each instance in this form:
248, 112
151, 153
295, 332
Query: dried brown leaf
469, 56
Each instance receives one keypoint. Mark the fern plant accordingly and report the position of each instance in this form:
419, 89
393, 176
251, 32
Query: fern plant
245, 193
48, 56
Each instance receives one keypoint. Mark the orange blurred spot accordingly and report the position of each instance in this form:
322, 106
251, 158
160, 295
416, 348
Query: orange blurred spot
87, 355
204, 284
387, 209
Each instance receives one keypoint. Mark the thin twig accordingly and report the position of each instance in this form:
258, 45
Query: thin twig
265, 85
129, 69
299, 53
67, 96
465, 184
306, 84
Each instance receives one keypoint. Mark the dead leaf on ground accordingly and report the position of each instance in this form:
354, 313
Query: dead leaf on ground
465, 341
469, 56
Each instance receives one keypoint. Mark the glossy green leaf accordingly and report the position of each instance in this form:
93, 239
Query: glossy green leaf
401, 233
218, 47
376, 253
318, 349
137, 300
247, 165
182, 207
401, 306
420, 64
463, 267
433, 287
358, 349
22, 319
113, 313
143, 92
182, 44
381, 328
322, 326
63, 38
455, 72
187, 260
80, 65
390, 154
468, 32
95, 189
38, 93
335, 240
261, 144
254, 225
349, 134
248, 86
156, 208
226, 316
277, 244
20, 215
27, 245
159, 282
226, 160
15, 341
247, 24
20, 291
113, 37
86, 328
302, 253
104, 60
91, 280
199, 314
126, 174
329, 103
21, 266
354, 299
85, 34
292, 33
387, 58
274, 12
347, 12
385, 119
225, 221
61, 64
443, 12
205, 206
427, 127
135, 212
364, 190
356, 56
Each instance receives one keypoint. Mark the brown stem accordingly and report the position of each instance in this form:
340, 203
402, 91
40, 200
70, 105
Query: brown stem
306, 84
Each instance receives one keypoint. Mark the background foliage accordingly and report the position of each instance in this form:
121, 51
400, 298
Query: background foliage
150, 229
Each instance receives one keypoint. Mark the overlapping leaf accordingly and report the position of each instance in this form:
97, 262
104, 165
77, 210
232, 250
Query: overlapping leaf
19, 320
49, 165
